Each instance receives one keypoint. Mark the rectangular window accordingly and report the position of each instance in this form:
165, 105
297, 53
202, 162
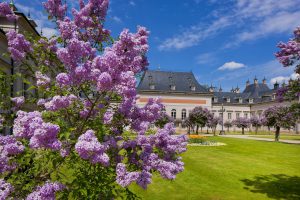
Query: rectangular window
221, 115
229, 115
246, 115
237, 115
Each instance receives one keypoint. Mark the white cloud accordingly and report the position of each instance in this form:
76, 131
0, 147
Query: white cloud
194, 35
206, 58
281, 79
232, 66
132, 3
116, 19
251, 19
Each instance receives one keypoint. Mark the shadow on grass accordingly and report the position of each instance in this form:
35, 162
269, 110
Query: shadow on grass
276, 186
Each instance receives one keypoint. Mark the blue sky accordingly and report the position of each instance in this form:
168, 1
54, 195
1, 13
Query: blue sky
222, 42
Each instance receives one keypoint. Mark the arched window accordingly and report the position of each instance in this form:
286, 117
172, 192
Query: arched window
183, 114
173, 113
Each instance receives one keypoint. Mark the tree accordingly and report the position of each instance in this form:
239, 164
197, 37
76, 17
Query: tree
228, 124
279, 117
256, 122
242, 123
199, 116
189, 124
163, 119
213, 122
73, 143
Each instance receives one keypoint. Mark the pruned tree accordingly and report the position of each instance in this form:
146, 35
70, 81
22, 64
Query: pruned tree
242, 123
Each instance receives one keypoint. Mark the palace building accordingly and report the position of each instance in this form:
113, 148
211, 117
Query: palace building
180, 92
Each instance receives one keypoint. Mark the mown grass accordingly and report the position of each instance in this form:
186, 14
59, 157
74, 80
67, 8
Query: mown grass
243, 169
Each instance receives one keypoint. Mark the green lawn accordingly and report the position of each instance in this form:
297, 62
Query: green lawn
283, 137
243, 169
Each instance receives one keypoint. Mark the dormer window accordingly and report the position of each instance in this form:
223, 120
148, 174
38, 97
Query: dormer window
152, 87
193, 88
273, 97
250, 100
240, 100
215, 99
228, 100
173, 87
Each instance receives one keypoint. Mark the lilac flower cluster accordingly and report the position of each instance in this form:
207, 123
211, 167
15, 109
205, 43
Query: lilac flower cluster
6, 11
9, 146
5, 189
89, 148
290, 51
41, 134
18, 101
63, 79
42, 79
165, 163
212, 122
47, 191
143, 117
55, 8
59, 102
18, 46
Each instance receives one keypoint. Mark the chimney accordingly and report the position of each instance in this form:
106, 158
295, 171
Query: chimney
264, 81
255, 81
220, 89
237, 89
211, 88
276, 85
247, 83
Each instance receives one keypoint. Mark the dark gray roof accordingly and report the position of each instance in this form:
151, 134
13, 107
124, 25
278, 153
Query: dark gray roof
256, 90
163, 80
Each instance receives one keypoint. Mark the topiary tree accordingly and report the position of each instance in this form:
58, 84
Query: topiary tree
228, 125
279, 117
74, 142
213, 122
199, 116
242, 123
256, 123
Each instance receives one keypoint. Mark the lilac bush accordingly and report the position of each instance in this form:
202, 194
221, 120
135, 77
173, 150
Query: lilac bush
242, 122
256, 122
289, 55
279, 117
213, 122
85, 137
228, 125
199, 116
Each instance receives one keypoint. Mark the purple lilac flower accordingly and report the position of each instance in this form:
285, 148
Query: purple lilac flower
55, 8
5, 189
18, 46
47, 191
6, 11
89, 148
59, 102
68, 29
42, 80
63, 79
18, 101
9, 146
41, 135
125, 178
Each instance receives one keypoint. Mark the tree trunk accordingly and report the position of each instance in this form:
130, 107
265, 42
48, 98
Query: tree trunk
228, 129
277, 133
189, 130
256, 130
214, 130
201, 129
197, 129
243, 132
207, 130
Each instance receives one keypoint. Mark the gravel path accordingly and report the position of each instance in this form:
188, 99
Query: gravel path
262, 139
